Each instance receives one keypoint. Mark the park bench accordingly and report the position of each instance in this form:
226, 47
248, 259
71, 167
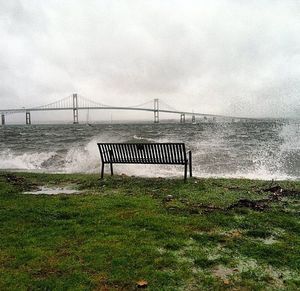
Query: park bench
145, 153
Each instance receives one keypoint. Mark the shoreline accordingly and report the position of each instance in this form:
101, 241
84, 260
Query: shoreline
167, 177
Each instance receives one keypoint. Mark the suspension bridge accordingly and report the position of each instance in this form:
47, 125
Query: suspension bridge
76, 102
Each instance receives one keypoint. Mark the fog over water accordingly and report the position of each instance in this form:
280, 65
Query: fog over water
222, 57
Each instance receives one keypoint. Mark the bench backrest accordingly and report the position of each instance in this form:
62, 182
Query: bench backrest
143, 153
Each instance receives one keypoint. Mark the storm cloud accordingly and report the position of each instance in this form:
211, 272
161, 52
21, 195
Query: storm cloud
224, 57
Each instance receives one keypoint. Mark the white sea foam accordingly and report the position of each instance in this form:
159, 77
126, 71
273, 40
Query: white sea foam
290, 133
82, 159
24, 161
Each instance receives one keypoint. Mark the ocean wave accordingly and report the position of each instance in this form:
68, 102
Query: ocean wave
217, 153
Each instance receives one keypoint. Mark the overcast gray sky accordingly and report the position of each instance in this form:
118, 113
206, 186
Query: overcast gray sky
224, 56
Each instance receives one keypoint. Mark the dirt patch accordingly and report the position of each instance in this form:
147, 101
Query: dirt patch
235, 233
202, 208
19, 182
258, 205
223, 272
184, 205
277, 193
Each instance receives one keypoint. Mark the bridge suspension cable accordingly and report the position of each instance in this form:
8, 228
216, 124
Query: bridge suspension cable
164, 105
86, 102
62, 103
67, 102
150, 102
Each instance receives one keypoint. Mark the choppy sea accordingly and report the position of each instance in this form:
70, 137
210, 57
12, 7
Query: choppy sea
255, 149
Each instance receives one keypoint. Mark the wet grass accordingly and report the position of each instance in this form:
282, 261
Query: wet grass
174, 235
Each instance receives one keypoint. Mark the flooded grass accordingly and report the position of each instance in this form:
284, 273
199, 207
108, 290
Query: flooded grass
42, 190
170, 234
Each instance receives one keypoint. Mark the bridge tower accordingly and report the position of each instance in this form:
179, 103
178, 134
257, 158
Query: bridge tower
28, 118
156, 110
2, 119
75, 108
182, 118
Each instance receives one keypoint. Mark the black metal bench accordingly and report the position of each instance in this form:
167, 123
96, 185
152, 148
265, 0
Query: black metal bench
145, 153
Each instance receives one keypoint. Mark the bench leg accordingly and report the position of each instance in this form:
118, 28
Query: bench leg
102, 170
190, 163
185, 171
111, 169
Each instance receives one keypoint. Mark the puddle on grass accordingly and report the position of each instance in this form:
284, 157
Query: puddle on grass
53, 191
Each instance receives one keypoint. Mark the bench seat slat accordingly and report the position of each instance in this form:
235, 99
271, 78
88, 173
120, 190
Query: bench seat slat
174, 152
165, 153
119, 152
180, 152
171, 152
113, 153
169, 155
140, 152
106, 153
125, 154
151, 152
101, 149
132, 154
160, 152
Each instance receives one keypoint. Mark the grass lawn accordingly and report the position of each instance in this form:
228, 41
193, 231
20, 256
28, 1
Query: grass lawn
206, 234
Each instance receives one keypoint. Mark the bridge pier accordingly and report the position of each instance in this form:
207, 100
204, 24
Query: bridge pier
182, 118
156, 111
2, 119
75, 108
28, 118
193, 118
